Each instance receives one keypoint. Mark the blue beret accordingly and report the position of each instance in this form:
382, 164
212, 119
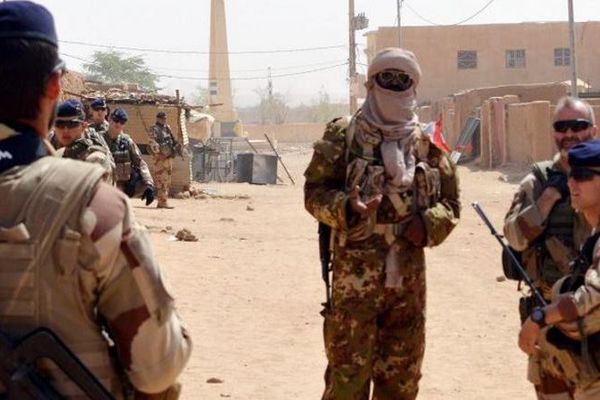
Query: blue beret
26, 20
119, 115
586, 154
98, 103
70, 110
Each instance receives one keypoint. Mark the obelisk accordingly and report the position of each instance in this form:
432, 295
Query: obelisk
219, 77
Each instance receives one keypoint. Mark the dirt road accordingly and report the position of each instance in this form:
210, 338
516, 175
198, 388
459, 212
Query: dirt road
250, 292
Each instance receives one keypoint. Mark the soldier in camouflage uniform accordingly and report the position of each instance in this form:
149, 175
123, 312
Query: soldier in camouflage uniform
543, 226
69, 132
132, 174
163, 147
73, 259
387, 192
98, 112
565, 335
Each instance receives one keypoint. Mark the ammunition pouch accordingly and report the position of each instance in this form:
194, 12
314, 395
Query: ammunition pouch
123, 171
167, 149
427, 186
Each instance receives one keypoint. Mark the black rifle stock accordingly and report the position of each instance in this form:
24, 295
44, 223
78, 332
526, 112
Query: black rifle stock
325, 256
18, 373
499, 237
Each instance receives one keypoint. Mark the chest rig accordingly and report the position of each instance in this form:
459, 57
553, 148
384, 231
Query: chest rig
164, 139
366, 171
549, 257
120, 150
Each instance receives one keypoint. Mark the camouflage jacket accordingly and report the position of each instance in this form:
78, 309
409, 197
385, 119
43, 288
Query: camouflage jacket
86, 150
326, 197
161, 141
126, 152
97, 262
525, 228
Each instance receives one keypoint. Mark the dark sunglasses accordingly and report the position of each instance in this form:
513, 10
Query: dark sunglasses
397, 79
119, 121
580, 174
66, 124
575, 125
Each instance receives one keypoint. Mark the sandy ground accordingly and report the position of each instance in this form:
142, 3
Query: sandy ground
250, 292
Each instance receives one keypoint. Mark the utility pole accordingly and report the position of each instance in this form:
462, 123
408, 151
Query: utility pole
572, 50
352, 57
270, 97
399, 7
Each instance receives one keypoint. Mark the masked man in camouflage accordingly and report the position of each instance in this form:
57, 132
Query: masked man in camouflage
73, 259
69, 128
565, 335
542, 224
387, 192
133, 176
163, 147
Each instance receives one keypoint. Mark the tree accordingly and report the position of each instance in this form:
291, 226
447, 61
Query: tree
115, 67
199, 96
272, 108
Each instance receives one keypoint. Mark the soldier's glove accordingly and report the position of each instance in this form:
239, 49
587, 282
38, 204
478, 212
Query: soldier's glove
558, 181
415, 231
148, 195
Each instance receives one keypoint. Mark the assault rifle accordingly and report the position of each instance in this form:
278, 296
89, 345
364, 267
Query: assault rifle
22, 381
511, 254
325, 256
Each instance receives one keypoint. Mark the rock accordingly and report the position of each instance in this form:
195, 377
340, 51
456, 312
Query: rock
249, 208
169, 227
227, 219
186, 236
214, 380
500, 278
200, 197
183, 195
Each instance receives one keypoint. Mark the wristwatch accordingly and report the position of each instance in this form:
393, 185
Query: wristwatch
538, 315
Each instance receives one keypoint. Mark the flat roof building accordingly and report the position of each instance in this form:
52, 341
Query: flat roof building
457, 58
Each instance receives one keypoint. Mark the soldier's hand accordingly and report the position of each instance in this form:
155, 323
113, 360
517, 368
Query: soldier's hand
363, 208
558, 181
529, 335
148, 195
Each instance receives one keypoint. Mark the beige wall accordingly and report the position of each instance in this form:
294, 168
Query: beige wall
287, 133
436, 48
456, 109
141, 118
517, 132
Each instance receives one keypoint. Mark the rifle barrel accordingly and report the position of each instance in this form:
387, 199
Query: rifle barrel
498, 237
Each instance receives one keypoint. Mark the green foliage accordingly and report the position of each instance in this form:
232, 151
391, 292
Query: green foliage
115, 67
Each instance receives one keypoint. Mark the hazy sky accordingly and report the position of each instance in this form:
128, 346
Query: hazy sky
268, 25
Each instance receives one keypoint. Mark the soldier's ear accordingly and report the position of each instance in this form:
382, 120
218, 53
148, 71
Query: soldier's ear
53, 87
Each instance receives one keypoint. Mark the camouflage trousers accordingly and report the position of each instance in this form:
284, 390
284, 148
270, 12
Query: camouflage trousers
163, 168
374, 335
